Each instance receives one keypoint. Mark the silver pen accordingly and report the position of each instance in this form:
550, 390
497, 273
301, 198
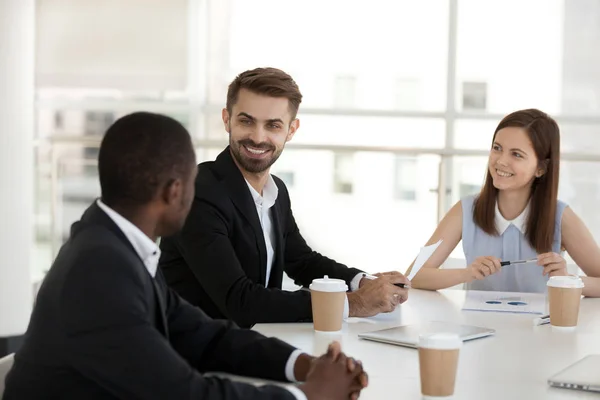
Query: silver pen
503, 263
541, 320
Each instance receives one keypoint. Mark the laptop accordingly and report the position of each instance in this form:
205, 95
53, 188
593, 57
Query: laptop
408, 335
582, 375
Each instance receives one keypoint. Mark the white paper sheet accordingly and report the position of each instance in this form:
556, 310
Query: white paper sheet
510, 302
423, 256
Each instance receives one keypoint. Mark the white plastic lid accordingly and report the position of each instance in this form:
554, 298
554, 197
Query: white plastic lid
441, 341
328, 285
570, 282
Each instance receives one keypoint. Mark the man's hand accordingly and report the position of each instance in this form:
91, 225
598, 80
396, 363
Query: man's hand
379, 274
302, 366
336, 349
378, 295
334, 376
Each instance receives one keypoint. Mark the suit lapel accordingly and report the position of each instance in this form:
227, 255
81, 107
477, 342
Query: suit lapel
242, 199
162, 308
94, 214
278, 259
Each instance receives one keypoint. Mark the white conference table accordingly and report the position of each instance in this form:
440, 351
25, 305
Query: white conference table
513, 364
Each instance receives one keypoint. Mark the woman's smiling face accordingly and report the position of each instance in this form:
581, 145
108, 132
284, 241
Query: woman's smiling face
513, 163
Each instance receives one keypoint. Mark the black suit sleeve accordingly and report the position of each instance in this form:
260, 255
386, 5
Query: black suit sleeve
302, 264
219, 345
111, 340
206, 248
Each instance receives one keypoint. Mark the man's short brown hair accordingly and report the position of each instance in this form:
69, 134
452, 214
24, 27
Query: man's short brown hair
270, 82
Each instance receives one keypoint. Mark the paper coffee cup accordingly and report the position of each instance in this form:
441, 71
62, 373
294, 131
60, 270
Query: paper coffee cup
328, 298
564, 297
438, 363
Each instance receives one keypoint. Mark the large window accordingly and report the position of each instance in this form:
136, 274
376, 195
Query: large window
406, 179
401, 100
343, 55
513, 48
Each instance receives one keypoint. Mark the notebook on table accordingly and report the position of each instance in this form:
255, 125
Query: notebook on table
408, 335
582, 375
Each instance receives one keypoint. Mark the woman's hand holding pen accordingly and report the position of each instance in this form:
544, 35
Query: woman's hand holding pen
554, 264
482, 267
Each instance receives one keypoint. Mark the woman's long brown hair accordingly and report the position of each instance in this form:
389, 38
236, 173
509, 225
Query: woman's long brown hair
545, 137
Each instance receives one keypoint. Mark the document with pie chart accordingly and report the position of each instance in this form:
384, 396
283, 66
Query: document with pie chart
509, 302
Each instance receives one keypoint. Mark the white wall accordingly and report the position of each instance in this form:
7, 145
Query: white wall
16, 163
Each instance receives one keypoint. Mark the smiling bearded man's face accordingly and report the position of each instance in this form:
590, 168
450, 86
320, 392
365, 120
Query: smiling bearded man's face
259, 126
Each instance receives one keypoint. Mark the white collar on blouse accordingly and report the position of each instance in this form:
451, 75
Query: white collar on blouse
502, 223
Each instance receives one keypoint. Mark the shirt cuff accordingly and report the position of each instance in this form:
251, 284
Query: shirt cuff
298, 394
355, 282
289, 366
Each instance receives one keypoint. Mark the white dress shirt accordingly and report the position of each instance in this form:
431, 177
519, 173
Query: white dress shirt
149, 252
146, 249
263, 208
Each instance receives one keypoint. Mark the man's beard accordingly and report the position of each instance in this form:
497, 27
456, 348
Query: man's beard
252, 165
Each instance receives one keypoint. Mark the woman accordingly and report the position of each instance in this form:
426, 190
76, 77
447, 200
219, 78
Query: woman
516, 216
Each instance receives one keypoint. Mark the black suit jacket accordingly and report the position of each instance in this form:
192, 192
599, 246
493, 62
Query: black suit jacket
103, 328
218, 260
